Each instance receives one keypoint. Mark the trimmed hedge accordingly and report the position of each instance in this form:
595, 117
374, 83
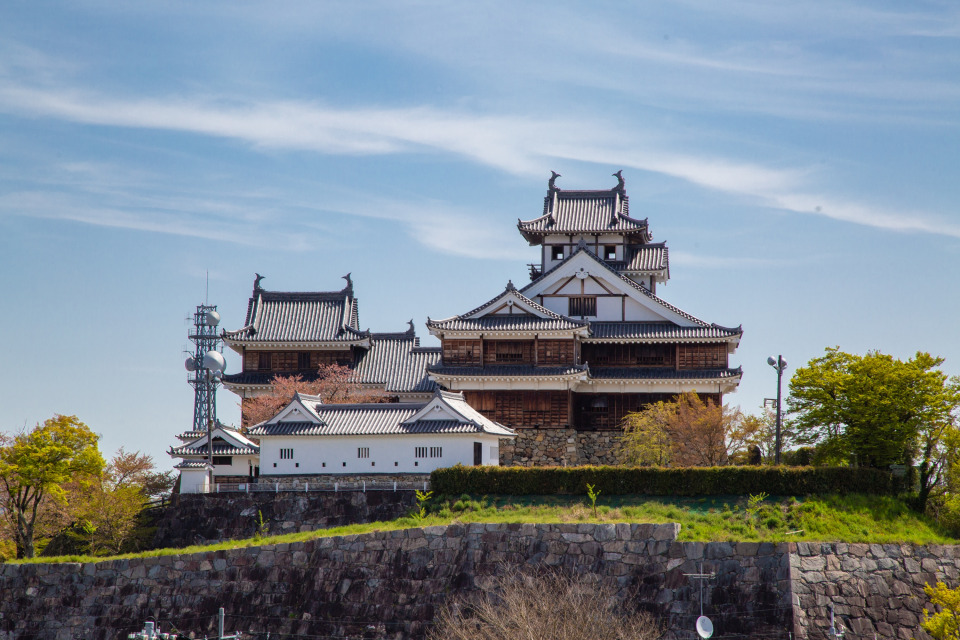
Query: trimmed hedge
655, 481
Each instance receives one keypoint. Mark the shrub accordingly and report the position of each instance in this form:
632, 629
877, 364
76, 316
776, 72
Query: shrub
655, 481
553, 606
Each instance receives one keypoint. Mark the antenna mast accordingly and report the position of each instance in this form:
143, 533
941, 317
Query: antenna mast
205, 367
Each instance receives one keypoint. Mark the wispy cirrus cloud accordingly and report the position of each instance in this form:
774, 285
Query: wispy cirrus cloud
515, 144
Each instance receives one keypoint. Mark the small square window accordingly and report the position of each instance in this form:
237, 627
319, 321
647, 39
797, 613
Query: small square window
416, 464
274, 464
297, 465
324, 464
610, 252
396, 464
373, 463
557, 253
344, 464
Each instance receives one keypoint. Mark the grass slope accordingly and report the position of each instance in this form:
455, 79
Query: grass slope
853, 518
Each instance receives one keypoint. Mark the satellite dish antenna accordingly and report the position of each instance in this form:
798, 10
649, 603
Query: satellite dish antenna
704, 627
213, 361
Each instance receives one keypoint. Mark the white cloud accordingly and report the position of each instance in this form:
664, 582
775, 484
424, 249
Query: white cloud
515, 144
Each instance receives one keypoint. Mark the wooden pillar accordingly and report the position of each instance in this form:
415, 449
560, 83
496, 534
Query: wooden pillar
536, 349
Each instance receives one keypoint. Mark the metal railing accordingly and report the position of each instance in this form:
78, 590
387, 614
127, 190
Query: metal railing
306, 487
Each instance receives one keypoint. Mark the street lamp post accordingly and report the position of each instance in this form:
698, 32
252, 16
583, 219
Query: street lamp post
779, 364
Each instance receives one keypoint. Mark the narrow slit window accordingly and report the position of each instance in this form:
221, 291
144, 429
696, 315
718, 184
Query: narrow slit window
363, 452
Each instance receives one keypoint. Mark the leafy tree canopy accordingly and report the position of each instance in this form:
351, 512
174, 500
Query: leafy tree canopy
687, 432
871, 409
37, 464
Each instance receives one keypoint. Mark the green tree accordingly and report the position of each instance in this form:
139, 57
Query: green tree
35, 465
646, 435
687, 432
109, 507
875, 410
945, 623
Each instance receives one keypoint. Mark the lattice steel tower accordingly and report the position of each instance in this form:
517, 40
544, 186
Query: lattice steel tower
205, 366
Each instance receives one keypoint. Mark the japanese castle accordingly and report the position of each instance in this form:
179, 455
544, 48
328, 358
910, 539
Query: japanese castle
549, 368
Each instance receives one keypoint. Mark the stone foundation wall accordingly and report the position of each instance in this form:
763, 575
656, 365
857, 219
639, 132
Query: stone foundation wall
337, 586
599, 447
202, 519
876, 590
327, 481
560, 447
540, 447
391, 584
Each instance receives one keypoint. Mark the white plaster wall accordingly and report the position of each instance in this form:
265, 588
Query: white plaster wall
637, 312
557, 305
609, 309
193, 480
240, 466
388, 454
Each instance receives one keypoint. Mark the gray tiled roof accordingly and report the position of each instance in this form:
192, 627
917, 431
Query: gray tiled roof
399, 363
394, 360
661, 373
658, 331
507, 323
191, 435
325, 316
508, 370
551, 321
648, 257
218, 450
191, 464
371, 419
582, 212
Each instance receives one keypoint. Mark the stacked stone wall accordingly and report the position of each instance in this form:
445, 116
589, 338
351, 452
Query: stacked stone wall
391, 584
876, 590
202, 519
560, 447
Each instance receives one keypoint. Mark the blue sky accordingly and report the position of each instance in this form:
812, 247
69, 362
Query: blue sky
800, 159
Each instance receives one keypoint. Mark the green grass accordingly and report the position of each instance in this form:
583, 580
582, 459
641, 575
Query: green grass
852, 518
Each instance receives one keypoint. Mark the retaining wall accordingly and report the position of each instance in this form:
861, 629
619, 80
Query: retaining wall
205, 518
390, 584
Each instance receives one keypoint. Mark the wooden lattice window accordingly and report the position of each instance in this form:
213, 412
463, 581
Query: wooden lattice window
303, 360
509, 351
265, 361
583, 306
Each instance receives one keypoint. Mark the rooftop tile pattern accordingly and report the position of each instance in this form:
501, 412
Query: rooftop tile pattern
583, 212
508, 370
515, 322
325, 316
395, 361
661, 373
373, 419
658, 331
